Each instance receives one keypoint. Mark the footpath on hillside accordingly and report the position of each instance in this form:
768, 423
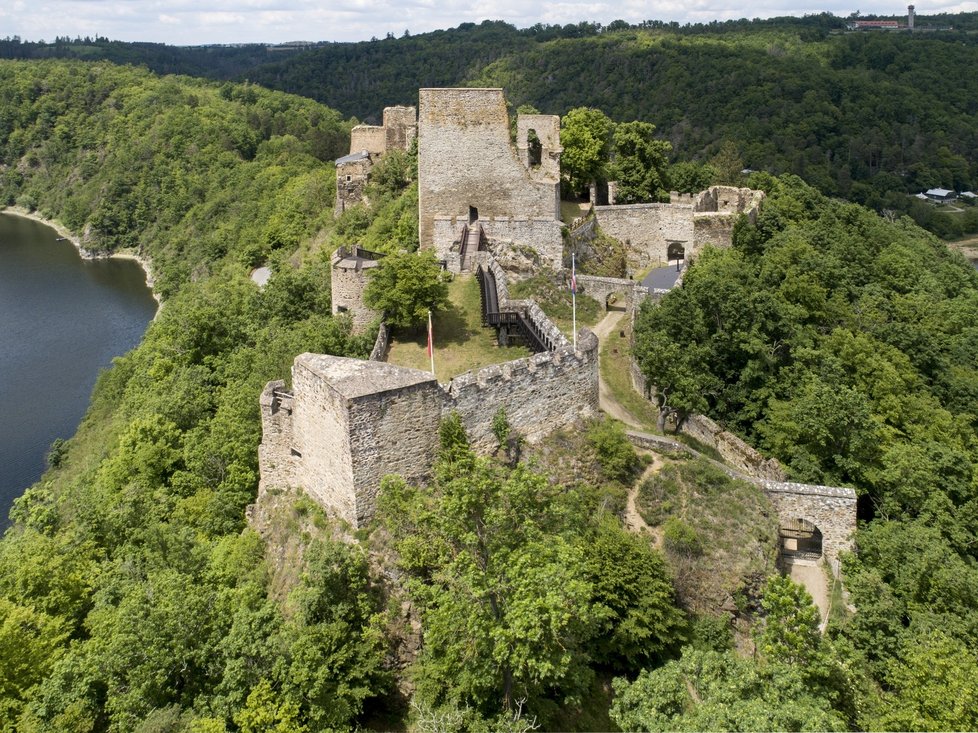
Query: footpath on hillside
808, 574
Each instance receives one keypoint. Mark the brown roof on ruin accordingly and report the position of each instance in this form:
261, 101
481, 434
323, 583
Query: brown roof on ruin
353, 378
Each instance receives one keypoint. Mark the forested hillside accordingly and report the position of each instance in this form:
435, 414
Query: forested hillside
847, 347
135, 596
865, 116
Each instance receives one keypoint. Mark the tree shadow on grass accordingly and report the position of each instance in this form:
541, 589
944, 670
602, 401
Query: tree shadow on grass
449, 327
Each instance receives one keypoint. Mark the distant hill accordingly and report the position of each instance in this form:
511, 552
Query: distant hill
867, 116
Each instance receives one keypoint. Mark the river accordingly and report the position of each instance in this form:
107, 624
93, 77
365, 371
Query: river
62, 320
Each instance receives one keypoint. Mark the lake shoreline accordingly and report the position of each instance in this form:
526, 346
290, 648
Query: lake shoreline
86, 254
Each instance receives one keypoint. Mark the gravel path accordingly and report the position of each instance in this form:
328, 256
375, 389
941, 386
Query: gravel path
606, 400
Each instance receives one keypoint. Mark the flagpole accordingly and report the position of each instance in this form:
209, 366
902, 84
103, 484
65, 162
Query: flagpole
574, 296
431, 344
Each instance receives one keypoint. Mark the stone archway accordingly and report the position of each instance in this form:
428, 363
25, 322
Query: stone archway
675, 251
800, 539
616, 301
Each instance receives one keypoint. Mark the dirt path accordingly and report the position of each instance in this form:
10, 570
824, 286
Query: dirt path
606, 400
633, 520
810, 575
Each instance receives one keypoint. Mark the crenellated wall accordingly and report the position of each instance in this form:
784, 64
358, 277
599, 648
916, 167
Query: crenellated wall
349, 422
540, 393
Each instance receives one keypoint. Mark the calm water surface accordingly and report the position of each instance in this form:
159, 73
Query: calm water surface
62, 319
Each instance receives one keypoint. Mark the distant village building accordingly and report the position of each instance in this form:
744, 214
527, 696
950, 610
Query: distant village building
940, 195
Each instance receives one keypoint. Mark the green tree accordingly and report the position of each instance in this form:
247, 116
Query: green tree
640, 164
708, 690
585, 135
405, 287
932, 685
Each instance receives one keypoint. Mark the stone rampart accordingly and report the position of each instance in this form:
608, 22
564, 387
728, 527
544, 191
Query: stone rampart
467, 163
629, 294
832, 509
647, 230
734, 451
540, 393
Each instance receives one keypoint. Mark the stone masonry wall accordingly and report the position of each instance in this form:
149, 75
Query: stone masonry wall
349, 422
831, 509
505, 233
400, 126
348, 278
394, 431
541, 393
372, 138
735, 451
629, 292
277, 466
351, 179
647, 229
713, 229
466, 159
320, 425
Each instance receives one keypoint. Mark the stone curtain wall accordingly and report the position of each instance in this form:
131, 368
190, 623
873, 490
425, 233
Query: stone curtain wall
541, 393
371, 138
465, 158
831, 509
631, 293
706, 218
647, 229
734, 451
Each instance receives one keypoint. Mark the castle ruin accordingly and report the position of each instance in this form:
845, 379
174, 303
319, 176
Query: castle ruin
469, 171
346, 423
369, 143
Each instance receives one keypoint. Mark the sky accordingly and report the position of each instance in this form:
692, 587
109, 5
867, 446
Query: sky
195, 22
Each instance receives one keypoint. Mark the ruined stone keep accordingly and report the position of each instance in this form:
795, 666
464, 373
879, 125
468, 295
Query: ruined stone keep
469, 170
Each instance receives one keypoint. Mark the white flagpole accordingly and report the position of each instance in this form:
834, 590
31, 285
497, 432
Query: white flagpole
574, 296
431, 344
